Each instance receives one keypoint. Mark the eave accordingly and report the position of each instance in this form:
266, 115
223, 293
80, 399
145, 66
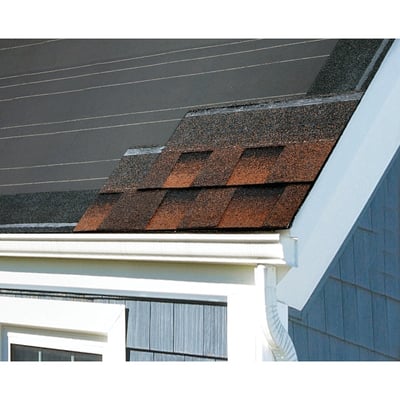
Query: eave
346, 183
245, 249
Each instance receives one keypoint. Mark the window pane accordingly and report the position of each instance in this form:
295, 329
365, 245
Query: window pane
24, 353
29, 353
55, 355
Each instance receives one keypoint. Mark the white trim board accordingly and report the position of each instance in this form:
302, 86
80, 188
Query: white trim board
73, 325
350, 176
203, 282
233, 284
112, 264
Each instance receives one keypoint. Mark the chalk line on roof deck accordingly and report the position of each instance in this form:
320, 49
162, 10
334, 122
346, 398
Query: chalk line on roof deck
154, 65
149, 111
89, 129
165, 78
51, 182
29, 45
128, 59
159, 121
57, 165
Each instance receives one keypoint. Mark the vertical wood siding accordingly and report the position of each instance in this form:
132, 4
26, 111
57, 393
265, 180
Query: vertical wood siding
138, 334
354, 314
215, 331
161, 326
188, 328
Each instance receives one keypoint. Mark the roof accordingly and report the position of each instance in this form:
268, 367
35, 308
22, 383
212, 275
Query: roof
93, 99
79, 114
235, 168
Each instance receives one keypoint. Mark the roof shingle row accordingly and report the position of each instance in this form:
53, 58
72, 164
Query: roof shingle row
249, 168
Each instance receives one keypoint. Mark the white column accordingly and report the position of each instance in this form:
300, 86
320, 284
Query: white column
241, 326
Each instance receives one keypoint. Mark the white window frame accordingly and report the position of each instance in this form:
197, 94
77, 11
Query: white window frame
63, 325
56, 340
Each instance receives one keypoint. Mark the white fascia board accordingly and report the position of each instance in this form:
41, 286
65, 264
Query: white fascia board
244, 249
345, 184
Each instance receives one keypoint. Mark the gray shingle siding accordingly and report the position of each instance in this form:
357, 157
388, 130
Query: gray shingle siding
354, 313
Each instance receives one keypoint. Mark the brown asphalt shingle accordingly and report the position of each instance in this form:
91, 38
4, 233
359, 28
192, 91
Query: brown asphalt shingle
129, 172
300, 162
248, 168
160, 170
255, 166
206, 211
171, 211
186, 169
263, 127
287, 205
97, 212
219, 167
250, 207
133, 211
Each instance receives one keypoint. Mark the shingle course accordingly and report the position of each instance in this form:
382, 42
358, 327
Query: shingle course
246, 169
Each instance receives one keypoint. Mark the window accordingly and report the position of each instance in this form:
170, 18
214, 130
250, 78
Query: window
53, 330
28, 353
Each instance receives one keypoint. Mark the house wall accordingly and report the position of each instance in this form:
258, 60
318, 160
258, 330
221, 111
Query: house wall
160, 330
354, 314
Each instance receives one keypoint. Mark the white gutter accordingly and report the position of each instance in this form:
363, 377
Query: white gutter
236, 249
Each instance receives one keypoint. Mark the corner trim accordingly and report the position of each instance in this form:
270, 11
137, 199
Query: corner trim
346, 183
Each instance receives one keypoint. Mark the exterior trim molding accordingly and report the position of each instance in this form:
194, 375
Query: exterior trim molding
248, 249
213, 267
345, 184
275, 337
67, 325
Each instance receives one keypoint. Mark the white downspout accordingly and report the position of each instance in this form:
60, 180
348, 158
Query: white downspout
275, 337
